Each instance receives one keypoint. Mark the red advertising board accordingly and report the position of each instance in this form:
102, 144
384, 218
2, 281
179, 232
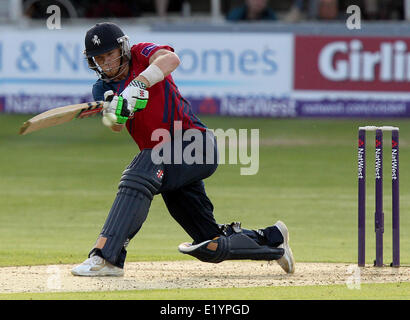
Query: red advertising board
352, 63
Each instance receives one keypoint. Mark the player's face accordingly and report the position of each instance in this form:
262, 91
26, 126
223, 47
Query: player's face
109, 61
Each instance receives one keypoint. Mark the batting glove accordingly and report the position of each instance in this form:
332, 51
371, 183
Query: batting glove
136, 95
118, 109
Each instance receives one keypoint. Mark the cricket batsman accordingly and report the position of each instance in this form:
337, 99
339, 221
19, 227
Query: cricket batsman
140, 95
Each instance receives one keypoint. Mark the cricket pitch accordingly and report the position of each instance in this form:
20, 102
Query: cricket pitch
194, 274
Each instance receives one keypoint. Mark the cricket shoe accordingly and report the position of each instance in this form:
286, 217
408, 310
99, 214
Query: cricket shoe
95, 266
287, 262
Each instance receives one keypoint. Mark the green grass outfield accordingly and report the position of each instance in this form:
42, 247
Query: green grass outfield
57, 186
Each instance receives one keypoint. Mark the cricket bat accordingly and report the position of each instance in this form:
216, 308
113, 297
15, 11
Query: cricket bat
61, 115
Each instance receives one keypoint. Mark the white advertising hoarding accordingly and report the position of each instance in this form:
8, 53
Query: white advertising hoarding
239, 64
46, 61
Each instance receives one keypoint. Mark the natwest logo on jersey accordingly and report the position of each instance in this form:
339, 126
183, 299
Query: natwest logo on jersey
352, 63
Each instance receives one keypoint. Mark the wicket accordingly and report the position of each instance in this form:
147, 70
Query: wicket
379, 214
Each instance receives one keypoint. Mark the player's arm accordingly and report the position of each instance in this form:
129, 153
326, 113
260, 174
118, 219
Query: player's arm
135, 96
116, 127
161, 64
